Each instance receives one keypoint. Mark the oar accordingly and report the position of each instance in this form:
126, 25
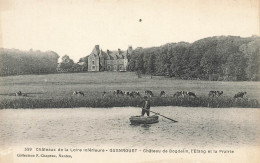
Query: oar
161, 115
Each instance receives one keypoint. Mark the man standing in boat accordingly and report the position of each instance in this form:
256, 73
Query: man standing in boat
146, 106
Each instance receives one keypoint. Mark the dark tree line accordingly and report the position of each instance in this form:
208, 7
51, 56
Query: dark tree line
16, 62
213, 58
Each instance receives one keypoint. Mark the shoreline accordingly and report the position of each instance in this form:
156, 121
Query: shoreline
129, 107
112, 101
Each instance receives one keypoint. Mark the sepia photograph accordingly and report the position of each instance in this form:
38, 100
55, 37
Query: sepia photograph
143, 81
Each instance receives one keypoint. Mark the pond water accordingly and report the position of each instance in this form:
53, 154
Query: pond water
111, 126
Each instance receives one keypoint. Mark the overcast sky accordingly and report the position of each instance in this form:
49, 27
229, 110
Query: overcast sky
73, 27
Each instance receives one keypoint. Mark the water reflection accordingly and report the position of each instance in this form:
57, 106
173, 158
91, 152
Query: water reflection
146, 126
196, 126
143, 126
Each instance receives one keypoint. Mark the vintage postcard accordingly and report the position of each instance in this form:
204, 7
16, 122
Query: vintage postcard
129, 81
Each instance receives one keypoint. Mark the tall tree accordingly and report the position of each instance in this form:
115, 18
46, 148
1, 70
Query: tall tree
251, 51
236, 66
66, 63
151, 64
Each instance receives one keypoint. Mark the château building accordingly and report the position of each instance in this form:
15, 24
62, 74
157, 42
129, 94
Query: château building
99, 60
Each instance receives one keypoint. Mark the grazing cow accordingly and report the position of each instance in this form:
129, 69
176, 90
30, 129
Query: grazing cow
219, 93
79, 93
184, 93
136, 93
127, 93
212, 93
19, 93
178, 94
162, 93
240, 94
118, 92
149, 93
131, 94
190, 94
215, 93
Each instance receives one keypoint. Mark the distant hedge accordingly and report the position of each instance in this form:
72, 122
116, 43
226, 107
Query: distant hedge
112, 101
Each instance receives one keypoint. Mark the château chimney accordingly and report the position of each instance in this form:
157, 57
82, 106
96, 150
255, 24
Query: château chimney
119, 51
96, 50
130, 49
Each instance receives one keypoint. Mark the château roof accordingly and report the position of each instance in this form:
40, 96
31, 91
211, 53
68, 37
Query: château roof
111, 55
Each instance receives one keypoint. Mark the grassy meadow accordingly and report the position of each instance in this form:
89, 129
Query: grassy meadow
55, 91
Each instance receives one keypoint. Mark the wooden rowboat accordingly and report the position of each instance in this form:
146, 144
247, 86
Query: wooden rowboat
144, 119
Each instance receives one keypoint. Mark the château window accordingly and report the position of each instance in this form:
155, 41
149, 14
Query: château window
93, 62
93, 67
